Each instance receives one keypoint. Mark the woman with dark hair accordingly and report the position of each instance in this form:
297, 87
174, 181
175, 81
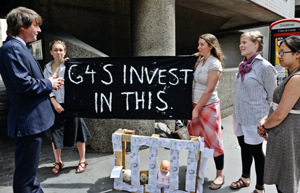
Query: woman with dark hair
282, 165
206, 116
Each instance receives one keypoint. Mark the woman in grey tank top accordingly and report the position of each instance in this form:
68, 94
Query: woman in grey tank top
282, 164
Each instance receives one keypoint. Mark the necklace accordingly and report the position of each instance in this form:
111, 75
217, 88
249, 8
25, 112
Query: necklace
294, 70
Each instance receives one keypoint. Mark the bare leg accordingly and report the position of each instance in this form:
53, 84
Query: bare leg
58, 163
219, 177
218, 181
57, 154
81, 150
219, 162
82, 163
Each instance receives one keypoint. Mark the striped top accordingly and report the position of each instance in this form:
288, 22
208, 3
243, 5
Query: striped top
254, 95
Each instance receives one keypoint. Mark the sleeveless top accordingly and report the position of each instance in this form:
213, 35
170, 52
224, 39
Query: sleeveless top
282, 163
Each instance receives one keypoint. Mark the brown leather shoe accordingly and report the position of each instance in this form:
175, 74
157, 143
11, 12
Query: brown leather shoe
57, 167
240, 184
81, 167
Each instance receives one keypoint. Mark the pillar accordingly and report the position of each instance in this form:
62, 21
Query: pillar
153, 30
153, 27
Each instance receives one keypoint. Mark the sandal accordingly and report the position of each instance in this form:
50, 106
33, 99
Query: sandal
215, 186
81, 167
239, 184
55, 169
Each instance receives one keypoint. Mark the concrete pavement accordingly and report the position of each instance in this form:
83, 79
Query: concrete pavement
96, 177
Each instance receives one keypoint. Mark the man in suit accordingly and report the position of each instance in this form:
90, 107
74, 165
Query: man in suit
30, 111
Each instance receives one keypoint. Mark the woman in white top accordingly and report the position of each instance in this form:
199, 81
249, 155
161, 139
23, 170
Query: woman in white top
254, 87
206, 118
66, 131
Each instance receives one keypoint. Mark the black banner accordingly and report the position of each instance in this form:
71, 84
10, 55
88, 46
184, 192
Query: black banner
130, 87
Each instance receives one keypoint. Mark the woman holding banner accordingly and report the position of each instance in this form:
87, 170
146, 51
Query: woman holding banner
254, 86
66, 131
282, 166
206, 118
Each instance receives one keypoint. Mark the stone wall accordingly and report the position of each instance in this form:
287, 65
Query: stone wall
75, 47
226, 91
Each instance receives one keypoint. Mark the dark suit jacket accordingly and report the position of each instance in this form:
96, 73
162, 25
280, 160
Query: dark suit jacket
30, 110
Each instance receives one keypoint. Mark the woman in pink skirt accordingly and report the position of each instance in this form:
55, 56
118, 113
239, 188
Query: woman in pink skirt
206, 118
